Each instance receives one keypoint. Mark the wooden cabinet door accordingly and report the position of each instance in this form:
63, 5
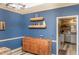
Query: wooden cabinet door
34, 46
37, 46
31, 45
26, 45
43, 47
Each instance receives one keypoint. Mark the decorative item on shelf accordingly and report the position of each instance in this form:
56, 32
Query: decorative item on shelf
44, 23
2, 25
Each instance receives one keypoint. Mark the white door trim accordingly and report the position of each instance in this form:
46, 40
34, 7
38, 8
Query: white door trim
57, 18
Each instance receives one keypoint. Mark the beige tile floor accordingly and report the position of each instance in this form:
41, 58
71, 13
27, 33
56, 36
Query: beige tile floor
20, 52
16, 52
71, 50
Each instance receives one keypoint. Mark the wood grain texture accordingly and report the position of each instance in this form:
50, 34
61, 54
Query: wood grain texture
37, 45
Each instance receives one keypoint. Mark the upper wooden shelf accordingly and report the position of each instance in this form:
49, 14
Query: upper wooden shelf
37, 19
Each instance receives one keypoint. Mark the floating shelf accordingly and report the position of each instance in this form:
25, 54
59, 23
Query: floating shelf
37, 26
37, 19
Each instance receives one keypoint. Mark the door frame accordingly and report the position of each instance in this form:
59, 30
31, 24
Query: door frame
57, 19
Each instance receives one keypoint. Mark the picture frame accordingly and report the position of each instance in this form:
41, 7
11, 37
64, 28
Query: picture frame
2, 25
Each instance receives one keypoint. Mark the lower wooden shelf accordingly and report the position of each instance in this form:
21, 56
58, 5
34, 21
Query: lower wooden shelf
37, 26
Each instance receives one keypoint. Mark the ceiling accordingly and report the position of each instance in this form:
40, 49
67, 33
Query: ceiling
25, 8
21, 5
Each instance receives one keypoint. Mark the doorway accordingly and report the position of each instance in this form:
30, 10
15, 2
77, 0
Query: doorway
67, 35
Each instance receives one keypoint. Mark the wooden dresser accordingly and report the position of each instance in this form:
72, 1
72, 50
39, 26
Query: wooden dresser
37, 45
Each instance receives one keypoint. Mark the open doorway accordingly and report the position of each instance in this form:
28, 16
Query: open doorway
67, 35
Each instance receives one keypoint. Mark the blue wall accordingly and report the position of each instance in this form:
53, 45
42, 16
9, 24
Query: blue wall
14, 28
12, 43
50, 18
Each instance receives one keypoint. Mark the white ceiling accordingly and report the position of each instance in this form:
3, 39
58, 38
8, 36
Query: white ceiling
22, 5
34, 7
